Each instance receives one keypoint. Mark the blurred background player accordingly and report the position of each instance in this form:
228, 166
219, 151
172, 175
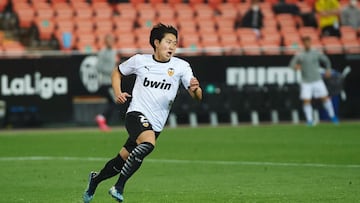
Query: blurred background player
106, 61
312, 85
158, 78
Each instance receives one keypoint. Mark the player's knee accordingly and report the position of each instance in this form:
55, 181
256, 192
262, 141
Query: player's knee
143, 149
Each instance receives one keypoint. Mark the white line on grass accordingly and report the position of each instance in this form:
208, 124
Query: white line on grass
174, 161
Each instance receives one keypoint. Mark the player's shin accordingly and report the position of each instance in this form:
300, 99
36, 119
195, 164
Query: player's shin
133, 163
111, 168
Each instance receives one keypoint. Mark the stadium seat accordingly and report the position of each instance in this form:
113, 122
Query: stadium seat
84, 25
102, 11
25, 14
250, 47
351, 46
332, 45
145, 11
184, 12
165, 12
230, 43
83, 12
3, 4
45, 28
211, 44
11, 47
126, 11
63, 11
270, 47
203, 11
122, 25
227, 10
206, 26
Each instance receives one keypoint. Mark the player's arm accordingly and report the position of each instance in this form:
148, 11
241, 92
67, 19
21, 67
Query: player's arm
295, 62
326, 61
195, 90
116, 78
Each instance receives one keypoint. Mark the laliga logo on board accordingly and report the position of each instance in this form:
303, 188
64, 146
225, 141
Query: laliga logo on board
45, 87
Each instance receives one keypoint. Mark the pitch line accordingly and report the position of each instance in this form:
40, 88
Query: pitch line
175, 161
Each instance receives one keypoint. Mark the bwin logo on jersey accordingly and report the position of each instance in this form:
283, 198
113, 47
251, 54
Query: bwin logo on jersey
156, 84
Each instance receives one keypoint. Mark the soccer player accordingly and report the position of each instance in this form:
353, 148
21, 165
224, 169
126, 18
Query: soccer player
158, 78
312, 85
106, 62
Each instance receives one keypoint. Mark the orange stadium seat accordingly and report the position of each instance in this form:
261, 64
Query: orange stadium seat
3, 4
224, 25
154, 2
63, 11
122, 25
332, 45
187, 26
84, 25
45, 27
83, 12
25, 14
203, 11
227, 10
172, 2
270, 47
184, 12
126, 11
230, 43
164, 12
102, 11
250, 47
348, 33
351, 47
206, 26
246, 35
11, 47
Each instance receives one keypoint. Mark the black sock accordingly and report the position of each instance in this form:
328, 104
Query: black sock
133, 163
111, 168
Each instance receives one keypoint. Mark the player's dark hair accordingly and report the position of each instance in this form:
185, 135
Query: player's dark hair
158, 33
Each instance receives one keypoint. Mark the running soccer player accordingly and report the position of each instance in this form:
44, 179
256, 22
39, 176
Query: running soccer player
312, 85
158, 78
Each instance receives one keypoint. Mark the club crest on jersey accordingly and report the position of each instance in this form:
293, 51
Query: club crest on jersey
171, 72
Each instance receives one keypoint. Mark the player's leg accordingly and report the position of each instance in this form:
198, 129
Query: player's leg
133, 163
305, 96
111, 168
322, 93
101, 119
140, 130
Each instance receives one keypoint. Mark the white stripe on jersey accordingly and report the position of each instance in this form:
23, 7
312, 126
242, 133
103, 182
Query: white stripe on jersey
156, 85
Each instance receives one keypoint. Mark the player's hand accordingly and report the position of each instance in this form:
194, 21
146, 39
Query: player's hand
327, 74
194, 84
297, 67
122, 97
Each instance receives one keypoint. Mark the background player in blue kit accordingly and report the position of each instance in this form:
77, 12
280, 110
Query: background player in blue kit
158, 77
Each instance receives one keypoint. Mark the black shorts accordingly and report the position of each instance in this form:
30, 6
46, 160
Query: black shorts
136, 123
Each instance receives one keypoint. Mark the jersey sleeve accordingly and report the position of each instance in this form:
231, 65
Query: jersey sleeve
187, 75
128, 67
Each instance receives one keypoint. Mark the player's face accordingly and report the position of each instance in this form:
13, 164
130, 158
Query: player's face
166, 48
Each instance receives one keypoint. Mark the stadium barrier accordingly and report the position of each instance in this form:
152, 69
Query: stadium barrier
48, 87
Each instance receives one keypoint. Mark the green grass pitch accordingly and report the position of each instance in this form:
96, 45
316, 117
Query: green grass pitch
268, 163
